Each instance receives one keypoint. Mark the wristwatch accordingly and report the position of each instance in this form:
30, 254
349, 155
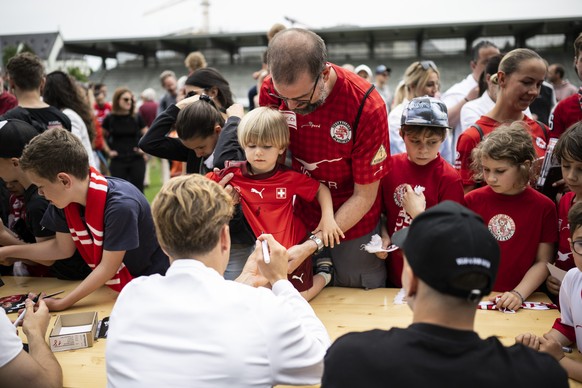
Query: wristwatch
318, 241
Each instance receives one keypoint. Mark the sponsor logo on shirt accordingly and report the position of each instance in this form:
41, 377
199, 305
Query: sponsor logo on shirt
502, 227
300, 277
312, 166
563, 256
341, 132
259, 193
311, 125
458, 163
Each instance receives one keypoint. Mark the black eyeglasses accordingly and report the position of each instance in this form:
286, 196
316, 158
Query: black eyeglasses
577, 246
298, 101
428, 65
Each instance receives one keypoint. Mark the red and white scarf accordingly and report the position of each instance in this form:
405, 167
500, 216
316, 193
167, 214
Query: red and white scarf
88, 235
525, 305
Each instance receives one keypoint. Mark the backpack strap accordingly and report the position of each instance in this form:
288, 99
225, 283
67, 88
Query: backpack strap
543, 127
479, 129
360, 111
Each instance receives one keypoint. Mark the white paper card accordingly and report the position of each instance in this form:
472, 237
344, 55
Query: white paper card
75, 329
556, 272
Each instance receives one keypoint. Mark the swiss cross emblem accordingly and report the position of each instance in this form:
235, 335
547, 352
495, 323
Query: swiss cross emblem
281, 193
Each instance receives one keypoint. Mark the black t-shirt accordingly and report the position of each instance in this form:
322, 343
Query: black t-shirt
35, 205
542, 105
425, 355
40, 118
124, 133
73, 268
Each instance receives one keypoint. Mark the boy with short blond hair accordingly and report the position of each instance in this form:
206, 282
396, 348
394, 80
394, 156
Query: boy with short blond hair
107, 219
268, 190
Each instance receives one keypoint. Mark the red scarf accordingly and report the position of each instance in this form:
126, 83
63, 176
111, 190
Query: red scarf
88, 235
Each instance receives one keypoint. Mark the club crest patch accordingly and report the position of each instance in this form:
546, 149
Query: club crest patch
380, 156
399, 194
502, 227
341, 132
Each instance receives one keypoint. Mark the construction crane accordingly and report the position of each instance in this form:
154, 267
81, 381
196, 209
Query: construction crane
295, 21
204, 4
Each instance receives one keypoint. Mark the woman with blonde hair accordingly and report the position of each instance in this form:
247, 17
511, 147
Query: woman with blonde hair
420, 79
520, 76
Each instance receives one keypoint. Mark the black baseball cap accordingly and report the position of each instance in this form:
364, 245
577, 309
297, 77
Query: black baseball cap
425, 111
448, 241
14, 135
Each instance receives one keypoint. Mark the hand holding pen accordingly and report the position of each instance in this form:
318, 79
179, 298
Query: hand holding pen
275, 267
34, 302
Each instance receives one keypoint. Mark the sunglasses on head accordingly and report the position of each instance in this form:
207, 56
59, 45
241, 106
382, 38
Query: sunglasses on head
428, 65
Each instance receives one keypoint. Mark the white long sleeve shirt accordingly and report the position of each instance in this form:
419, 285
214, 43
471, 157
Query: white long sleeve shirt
10, 343
192, 328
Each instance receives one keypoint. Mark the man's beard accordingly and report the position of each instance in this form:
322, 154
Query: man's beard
311, 107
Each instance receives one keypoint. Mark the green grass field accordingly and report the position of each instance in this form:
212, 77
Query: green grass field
155, 179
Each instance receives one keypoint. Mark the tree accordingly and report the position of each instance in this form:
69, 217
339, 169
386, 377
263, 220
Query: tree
76, 73
10, 51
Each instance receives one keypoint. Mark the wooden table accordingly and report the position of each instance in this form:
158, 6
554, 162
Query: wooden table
82, 367
342, 310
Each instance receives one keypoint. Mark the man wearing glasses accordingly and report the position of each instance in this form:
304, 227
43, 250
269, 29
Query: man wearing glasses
339, 136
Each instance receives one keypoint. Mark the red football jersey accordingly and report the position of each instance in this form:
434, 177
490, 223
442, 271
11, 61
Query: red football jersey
440, 181
567, 112
519, 223
564, 257
267, 200
471, 137
267, 204
323, 145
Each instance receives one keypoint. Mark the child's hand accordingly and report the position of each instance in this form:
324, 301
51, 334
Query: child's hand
412, 202
553, 284
330, 231
508, 300
386, 242
236, 110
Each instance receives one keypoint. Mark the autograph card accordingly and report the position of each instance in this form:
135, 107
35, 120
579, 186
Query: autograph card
556, 272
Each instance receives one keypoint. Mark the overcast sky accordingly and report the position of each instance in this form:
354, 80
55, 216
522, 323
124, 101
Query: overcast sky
94, 19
